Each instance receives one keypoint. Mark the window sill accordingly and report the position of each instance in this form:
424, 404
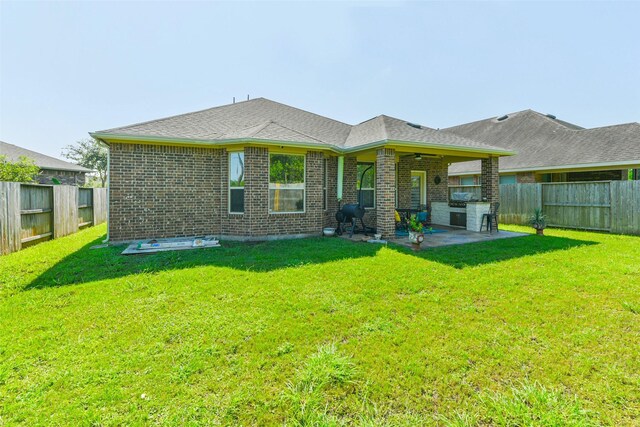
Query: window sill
287, 213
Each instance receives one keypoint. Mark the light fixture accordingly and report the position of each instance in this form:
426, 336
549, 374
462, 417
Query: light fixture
418, 156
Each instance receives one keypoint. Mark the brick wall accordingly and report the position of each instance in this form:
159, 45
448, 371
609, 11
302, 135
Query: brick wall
350, 180
332, 191
405, 166
437, 192
526, 178
489, 180
433, 167
385, 192
160, 191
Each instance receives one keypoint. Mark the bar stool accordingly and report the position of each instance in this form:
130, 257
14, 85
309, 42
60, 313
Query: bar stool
491, 217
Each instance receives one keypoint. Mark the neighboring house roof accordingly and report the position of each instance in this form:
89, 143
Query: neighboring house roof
13, 153
545, 143
261, 119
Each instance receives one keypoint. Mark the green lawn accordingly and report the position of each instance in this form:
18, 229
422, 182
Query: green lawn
525, 331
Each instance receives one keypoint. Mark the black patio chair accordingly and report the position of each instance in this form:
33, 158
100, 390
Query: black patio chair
424, 216
491, 217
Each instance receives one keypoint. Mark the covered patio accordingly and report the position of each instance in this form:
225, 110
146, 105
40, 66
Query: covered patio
413, 177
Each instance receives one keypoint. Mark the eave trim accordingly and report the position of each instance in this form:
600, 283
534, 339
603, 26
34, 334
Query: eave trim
106, 137
629, 164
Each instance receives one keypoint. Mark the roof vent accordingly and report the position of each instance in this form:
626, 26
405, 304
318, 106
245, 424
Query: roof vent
501, 118
551, 116
413, 125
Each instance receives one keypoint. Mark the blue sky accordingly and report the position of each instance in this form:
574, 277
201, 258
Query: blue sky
67, 68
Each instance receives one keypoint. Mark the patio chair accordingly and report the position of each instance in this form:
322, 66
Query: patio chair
491, 217
400, 225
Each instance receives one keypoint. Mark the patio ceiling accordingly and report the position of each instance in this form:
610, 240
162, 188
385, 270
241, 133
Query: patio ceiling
450, 156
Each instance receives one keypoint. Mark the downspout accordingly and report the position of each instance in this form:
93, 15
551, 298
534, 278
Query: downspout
108, 189
340, 176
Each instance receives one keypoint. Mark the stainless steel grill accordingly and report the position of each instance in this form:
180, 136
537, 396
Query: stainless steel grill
460, 200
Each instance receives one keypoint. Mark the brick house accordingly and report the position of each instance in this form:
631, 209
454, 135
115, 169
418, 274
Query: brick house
551, 150
259, 169
50, 167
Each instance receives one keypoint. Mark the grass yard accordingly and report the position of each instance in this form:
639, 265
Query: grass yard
524, 331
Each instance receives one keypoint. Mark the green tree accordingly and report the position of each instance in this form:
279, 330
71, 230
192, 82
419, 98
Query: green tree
24, 170
91, 154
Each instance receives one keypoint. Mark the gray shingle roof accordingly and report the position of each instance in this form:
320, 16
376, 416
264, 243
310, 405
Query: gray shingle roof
237, 120
13, 153
264, 119
389, 128
542, 142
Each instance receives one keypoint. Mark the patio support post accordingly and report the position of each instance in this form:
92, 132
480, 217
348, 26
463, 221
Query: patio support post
340, 176
349, 180
385, 192
489, 180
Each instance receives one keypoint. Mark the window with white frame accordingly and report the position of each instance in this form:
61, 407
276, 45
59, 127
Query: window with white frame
286, 183
324, 184
367, 185
236, 182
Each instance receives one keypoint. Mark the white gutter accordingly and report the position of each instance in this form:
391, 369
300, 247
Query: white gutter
625, 164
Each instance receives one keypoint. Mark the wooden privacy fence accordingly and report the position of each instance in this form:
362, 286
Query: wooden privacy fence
603, 206
31, 213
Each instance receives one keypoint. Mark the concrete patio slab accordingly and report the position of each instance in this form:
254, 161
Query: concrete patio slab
450, 236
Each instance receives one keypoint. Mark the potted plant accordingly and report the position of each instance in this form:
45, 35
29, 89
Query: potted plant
415, 232
538, 221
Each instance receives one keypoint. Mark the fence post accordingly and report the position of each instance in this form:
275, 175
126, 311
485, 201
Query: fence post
10, 221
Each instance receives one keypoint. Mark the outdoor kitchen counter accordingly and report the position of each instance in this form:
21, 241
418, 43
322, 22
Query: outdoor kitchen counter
475, 210
440, 213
